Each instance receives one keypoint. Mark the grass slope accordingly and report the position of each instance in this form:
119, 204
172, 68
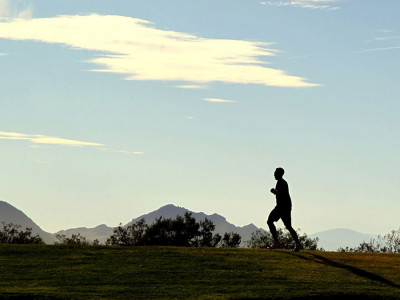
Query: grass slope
167, 272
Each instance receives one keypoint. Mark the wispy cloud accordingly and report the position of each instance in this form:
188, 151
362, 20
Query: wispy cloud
310, 4
217, 100
43, 139
384, 30
130, 152
191, 86
136, 48
15, 9
387, 41
387, 38
37, 140
379, 49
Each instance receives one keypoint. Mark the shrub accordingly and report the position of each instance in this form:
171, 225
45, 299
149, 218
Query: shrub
12, 234
231, 240
74, 240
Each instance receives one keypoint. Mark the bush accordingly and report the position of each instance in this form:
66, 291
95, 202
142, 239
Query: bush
264, 239
11, 234
74, 240
132, 235
231, 240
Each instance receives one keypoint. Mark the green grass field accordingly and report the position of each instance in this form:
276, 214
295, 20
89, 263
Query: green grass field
48, 272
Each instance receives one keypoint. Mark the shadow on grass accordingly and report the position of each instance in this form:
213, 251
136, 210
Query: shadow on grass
359, 272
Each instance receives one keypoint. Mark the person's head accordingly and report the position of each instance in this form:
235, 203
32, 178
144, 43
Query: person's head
279, 173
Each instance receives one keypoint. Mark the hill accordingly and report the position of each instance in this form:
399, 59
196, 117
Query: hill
10, 214
332, 240
55, 272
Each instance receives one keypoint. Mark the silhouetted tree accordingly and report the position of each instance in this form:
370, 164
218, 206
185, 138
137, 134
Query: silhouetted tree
181, 231
206, 237
12, 234
132, 235
264, 239
231, 240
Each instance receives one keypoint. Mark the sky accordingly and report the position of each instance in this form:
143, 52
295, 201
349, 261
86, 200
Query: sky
112, 109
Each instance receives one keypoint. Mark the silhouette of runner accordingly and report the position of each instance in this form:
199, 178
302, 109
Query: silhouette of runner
282, 210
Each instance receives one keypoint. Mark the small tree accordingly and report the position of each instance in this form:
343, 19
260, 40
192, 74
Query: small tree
73, 241
132, 235
12, 234
231, 240
206, 237
263, 239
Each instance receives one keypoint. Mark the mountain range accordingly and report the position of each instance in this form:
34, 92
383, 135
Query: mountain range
329, 240
169, 211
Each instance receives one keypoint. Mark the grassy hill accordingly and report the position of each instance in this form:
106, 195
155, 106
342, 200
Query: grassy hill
167, 272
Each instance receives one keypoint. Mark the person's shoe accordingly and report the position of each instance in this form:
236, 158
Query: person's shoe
275, 245
297, 248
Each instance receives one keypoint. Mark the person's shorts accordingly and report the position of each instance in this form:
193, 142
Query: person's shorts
284, 214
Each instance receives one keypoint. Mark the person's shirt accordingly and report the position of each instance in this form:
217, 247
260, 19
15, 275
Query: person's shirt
282, 195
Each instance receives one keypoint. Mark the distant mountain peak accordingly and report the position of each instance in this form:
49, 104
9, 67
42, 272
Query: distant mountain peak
333, 239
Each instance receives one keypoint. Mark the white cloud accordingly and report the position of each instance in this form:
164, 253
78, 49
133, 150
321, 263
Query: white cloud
217, 100
42, 139
15, 9
310, 4
135, 48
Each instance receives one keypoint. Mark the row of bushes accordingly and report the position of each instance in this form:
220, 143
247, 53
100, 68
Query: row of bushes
185, 231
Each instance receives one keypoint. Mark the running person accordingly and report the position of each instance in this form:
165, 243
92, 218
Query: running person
282, 210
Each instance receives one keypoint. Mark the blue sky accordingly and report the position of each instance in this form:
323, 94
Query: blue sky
109, 110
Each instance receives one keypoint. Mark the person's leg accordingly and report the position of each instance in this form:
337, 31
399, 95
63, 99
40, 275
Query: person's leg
273, 217
287, 220
293, 234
